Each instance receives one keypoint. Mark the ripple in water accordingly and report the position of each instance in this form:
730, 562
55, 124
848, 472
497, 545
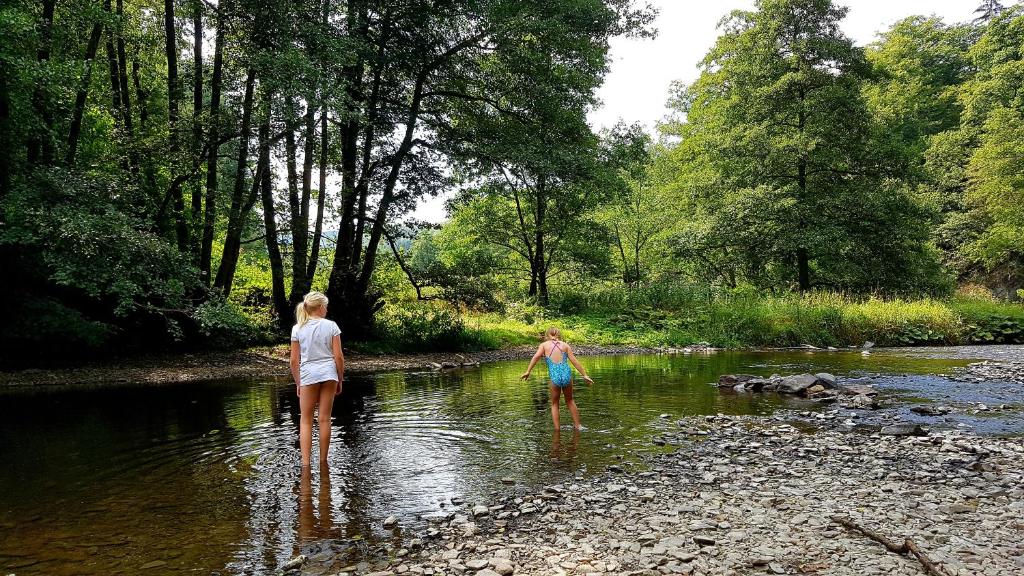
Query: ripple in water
206, 477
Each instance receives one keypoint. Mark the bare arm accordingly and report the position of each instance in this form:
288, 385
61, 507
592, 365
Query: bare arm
576, 363
293, 363
339, 361
533, 362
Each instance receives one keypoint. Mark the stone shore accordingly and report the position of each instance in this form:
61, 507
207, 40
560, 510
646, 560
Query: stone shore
745, 495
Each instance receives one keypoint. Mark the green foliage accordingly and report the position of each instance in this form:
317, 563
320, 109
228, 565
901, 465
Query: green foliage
224, 324
420, 328
743, 318
781, 178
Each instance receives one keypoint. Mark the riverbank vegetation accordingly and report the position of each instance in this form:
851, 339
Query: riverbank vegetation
177, 175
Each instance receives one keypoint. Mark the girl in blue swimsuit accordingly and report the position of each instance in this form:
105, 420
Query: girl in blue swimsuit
558, 355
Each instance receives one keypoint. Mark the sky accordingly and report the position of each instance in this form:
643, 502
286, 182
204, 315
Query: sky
636, 87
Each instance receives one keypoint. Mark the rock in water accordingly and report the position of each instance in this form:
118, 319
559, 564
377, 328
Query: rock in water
827, 380
904, 430
928, 410
480, 510
294, 563
796, 384
390, 522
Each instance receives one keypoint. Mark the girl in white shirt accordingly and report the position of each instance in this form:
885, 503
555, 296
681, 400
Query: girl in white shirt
317, 366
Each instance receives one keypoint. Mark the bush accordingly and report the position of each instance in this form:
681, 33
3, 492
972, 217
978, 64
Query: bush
224, 324
419, 328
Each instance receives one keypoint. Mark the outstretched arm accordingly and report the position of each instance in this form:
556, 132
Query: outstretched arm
533, 362
576, 363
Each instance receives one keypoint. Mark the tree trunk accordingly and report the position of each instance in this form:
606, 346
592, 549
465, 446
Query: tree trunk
540, 266
364, 304
122, 73
344, 269
40, 145
210, 207
75, 129
314, 254
143, 99
115, 83
173, 97
803, 267
236, 218
280, 301
6, 133
197, 124
300, 220
294, 209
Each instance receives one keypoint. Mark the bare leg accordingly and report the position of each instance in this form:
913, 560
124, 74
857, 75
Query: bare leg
308, 396
555, 393
327, 390
570, 403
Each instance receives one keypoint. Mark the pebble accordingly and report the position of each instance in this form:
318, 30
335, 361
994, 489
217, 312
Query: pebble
753, 495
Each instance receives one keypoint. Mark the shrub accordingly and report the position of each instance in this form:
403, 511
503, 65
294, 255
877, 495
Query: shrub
224, 324
419, 328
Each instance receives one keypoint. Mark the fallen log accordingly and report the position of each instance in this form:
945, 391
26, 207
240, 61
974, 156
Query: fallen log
907, 547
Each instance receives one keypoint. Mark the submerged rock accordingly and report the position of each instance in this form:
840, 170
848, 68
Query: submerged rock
903, 430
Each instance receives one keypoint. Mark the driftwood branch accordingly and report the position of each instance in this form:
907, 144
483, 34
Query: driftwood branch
907, 547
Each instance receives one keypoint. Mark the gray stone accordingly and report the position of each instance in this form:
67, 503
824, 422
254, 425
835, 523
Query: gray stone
796, 384
827, 380
903, 430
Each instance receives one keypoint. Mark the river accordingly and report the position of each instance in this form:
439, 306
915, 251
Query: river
205, 478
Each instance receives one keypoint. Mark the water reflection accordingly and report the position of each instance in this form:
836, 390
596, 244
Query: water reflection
314, 522
564, 453
206, 477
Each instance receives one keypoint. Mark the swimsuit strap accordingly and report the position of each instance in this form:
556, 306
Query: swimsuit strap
554, 344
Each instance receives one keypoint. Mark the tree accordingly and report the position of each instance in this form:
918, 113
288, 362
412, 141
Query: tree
988, 10
783, 167
423, 71
637, 215
974, 162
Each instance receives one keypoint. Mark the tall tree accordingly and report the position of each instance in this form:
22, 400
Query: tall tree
415, 85
210, 198
791, 176
175, 193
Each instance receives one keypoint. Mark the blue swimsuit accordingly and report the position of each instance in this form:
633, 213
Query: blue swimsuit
559, 372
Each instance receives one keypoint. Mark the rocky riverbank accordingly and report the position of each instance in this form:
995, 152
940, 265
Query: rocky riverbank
744, 495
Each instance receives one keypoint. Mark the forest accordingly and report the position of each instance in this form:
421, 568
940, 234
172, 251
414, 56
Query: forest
177, 175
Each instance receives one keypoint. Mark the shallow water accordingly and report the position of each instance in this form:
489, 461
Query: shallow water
204, 477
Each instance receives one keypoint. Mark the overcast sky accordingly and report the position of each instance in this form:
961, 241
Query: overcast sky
636, 87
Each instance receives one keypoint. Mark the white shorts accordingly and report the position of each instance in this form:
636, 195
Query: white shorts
317, 372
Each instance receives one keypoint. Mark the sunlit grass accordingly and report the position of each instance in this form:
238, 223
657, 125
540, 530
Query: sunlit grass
820, 319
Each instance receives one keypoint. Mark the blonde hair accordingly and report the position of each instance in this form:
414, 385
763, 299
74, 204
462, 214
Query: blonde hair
312, 301
552, 331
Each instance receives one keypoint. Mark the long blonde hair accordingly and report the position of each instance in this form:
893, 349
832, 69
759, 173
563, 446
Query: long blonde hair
312, 301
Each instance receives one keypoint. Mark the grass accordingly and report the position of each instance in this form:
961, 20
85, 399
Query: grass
822, 319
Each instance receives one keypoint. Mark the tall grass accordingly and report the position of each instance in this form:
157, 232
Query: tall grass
680, 315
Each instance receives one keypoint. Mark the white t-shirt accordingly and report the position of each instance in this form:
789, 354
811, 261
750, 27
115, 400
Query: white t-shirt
316, 347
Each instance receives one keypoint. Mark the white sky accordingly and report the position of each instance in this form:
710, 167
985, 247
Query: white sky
637, 85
